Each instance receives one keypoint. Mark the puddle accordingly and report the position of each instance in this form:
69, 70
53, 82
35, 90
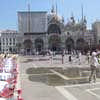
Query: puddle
55, 80
37, 71
40, 70
47, 77
69, 72
38, 78
51, 80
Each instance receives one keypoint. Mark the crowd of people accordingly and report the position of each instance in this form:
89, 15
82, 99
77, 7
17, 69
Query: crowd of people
92, 58
8, 76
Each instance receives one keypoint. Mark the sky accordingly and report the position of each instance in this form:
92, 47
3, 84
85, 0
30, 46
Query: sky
9, 9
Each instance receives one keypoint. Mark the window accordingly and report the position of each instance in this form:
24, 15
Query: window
13, 41
3, 40
99, 41
68, 33
7, 40
10, 40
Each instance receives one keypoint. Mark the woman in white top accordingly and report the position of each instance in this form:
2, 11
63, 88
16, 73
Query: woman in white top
93, 65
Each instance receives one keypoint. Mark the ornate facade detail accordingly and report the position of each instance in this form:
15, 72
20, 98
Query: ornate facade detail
56, 35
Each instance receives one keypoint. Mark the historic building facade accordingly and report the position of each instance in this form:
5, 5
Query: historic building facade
78, 36
96, 30
8, 41
42, 31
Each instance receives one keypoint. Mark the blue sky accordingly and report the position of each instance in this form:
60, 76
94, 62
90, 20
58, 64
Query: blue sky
9, 8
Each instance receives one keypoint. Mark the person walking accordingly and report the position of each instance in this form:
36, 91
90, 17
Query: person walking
80, 57
93, 66
88, 57
70, 58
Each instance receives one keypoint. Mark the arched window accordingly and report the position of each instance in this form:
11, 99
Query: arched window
39, 44
80, 44
54, 28
55, 43
27, 44
69, 44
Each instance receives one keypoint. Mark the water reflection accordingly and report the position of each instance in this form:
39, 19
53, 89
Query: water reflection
51, 80
44, 75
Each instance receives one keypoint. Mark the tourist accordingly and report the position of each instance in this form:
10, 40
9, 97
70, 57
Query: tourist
80, 57
5, 56
70, 58
88, 57
93, 65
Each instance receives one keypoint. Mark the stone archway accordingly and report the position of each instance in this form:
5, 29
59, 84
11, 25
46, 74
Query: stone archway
69, 44
39, 44
28, 46
80, 44
55, 42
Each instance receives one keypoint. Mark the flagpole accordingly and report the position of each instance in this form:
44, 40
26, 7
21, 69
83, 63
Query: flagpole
29, 17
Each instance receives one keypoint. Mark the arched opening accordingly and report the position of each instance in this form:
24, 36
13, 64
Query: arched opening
10, 49
55, 43
81, 44
69, 44
54, 28
28, 46
39, 44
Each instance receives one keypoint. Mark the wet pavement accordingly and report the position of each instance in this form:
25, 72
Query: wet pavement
48, 77
58, 76
50, 83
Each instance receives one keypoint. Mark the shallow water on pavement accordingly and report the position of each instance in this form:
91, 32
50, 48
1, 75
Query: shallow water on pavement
46, 76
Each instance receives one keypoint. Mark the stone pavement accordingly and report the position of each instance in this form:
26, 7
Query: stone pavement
81, 91
43, 80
